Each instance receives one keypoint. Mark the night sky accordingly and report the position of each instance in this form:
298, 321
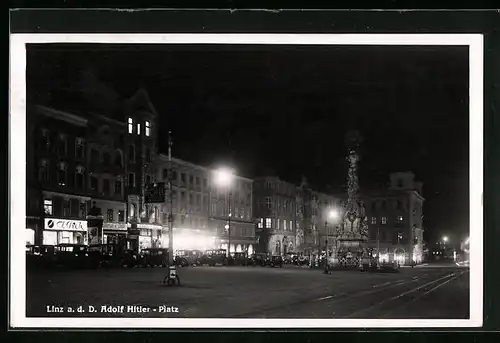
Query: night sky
285, 110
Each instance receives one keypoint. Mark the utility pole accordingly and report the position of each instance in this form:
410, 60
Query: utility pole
229, 225
170, 214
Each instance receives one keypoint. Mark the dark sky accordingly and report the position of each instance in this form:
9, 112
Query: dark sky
286, 109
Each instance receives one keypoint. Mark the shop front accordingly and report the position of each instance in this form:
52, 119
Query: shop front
59, 231
114, 232
145, 235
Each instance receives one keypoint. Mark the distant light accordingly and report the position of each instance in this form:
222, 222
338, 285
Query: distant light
226, 226
223, 177
333, 214
445, 239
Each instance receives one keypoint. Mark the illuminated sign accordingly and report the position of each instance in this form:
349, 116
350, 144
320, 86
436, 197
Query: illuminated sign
65, 224
114, 226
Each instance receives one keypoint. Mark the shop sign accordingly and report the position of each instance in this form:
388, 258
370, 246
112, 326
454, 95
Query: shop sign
114, 226
65, 224
146, 226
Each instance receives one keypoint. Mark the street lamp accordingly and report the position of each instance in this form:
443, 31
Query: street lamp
332, 214
224, 178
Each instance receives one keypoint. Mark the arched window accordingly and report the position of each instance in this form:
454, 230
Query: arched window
62, 145
62, 172
79, 177
131, 153
118, 159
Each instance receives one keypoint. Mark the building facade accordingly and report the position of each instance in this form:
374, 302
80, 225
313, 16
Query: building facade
143, 220
57, 197
201, 208
275, 207
395, 220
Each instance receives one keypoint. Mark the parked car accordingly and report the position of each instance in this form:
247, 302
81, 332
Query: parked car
40, 256
181, 261
275, 261
214, 256
258, 259
239, 259
154, 257
103, 255
72, 256
129, 258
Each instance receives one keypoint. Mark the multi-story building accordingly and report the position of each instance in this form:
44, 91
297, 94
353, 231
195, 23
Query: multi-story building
395, 219
107, 172
276, 215
143, 220
57, 197
190, 204
232, 206
200, 208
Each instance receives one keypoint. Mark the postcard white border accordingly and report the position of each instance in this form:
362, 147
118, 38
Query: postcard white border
17, 171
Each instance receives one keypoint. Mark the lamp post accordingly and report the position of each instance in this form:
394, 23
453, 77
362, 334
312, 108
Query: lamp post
224, 178
332, 214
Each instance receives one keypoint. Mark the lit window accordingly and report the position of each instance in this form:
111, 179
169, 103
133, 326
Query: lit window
268, 223
110, 215
62, 174
130, 125
384, 220
138, 129
399, 219
284, 224
148, 128
374, 220
47, 206
261, 223
268, 202
79, 149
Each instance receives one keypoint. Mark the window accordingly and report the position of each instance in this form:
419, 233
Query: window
66, 208
148, 154
399, 220
62, 174
94, 156
291, 226
148, 180
214, 208
268, 184
400, 183
147, 126
174, 175
383, 220
268, 223
183, 177
374, 206
121, 216
79, 177
399, 204
205, 182
277, 224
268, 202
43, 171
79, 149
45, 140
190, 199
106, 159
94, 183
165, 173
198, 199
138, 129
131, 180
284, 224
106, 186
374, 220
130, 125
109, 215
131, 153
118, 159
191, 179
399, 237
197, 181
118, 187
47, 207
384, 204
260, 225
62, 145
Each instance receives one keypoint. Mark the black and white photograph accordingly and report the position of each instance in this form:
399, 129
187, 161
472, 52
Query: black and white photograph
246, 180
